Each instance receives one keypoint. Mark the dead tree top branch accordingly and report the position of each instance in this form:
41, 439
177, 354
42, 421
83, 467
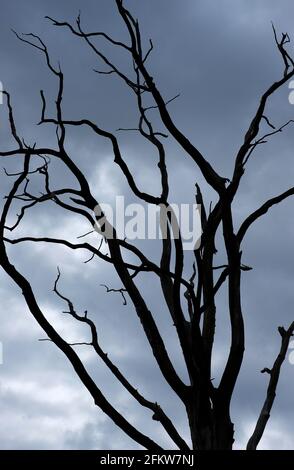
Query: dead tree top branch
190, 302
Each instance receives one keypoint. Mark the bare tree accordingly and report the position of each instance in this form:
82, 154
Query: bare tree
190, 302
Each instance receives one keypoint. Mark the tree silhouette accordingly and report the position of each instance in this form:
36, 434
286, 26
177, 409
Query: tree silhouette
190, 302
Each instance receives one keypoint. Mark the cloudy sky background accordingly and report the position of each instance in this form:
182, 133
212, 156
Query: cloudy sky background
220, 56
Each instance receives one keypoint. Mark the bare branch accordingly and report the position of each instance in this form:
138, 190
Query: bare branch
274, 374
159, 414
262, 210
262, 140
11, 120
120, 291
40, 45
88, 35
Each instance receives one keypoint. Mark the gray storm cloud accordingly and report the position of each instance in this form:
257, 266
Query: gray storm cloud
219, 56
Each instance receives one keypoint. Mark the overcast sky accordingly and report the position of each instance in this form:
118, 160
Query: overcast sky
220, 56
